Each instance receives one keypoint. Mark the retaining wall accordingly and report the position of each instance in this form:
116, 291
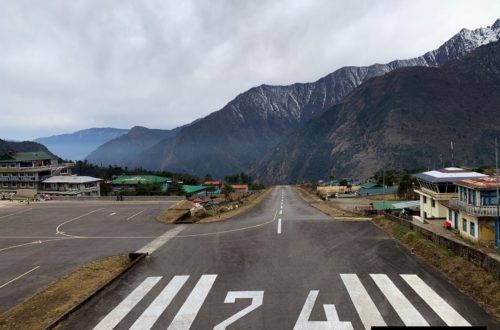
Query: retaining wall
125, 198
469, 253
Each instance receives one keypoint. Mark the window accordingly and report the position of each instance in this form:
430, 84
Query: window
5, 184
450, 215
31, 184
425, 215
433, 202
472, 229
464, 225
425, 199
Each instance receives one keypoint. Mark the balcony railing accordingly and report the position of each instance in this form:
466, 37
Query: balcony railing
478, 211
436, 195
13, 178
36, 168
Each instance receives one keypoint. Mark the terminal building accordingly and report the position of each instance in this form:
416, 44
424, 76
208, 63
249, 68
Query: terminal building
25, 171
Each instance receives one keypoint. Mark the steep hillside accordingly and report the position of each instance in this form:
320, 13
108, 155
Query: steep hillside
125, 149
77, 145
232, 138
24, 146
404, 119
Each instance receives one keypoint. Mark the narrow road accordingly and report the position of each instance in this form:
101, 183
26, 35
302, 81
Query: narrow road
281, 265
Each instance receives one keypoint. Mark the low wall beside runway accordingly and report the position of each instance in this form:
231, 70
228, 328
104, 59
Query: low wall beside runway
477, 257
125, 198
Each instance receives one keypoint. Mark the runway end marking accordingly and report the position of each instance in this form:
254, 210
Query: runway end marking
15, 279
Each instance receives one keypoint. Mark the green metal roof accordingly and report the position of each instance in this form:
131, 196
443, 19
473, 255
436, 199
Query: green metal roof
382, 205
192, 189
25, 156
368, 185
142, 179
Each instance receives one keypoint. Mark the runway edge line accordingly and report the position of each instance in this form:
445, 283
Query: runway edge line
135, 258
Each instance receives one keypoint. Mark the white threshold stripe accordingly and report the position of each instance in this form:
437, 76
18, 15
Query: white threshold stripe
367, 311
438, 304
408, 314
160, 240
23, 274
120, 311
186, 315
158, 306
279, 226
133, 216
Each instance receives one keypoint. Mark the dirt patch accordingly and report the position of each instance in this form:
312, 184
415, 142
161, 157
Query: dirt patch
475, 281
244, 205
178, 211
321, 205
61, 295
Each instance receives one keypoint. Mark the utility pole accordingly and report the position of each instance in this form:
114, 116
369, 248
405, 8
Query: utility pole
497, 224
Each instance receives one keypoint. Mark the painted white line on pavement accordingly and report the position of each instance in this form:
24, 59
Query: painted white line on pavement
133, 216
281, 211
408, 314
367, 311
160, 240
186, 315
15, 279
35, 242
127, 304
279, 226
19, 212
111, 214
438, 304
58, 228
158, 306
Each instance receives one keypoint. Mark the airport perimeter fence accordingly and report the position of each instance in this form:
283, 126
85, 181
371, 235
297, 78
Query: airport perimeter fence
477, 257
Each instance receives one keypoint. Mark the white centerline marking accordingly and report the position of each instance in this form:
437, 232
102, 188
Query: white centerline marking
367, 311
408, 314
120, 311
15, 279
438, 304
133, 216
160, 240
8, 215
111, 214
58, 231
186, 315
281, 211
158, 306
279, 226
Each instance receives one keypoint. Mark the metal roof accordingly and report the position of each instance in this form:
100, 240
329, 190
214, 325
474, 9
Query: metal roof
192, 189
406, 205
449, 174
25, 156
136, 179
71, 179
484, 183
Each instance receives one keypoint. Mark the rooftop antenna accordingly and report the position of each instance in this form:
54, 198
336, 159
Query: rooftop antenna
452, 156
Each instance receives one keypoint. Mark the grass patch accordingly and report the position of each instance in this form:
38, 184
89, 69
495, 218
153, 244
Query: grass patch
61, 295
474, 280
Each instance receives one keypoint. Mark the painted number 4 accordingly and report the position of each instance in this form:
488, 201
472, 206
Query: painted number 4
332, 318
257, 298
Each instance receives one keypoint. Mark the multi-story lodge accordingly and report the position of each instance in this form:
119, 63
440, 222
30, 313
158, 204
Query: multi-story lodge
65, 185
27, 170
437, 187
475, 212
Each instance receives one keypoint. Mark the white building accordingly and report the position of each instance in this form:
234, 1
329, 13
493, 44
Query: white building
437, 187
71, 186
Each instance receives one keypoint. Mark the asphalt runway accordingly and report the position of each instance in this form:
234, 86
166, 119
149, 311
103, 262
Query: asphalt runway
281, 265
42, 241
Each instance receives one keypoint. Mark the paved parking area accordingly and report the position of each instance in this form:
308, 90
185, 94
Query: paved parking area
43, 241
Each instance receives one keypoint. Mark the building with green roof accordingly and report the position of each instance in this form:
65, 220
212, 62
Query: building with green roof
130, 182
188, 189
21, 171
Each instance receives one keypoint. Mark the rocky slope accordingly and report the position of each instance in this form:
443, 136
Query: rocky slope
24, 146
232, 138
77, 145
404, 119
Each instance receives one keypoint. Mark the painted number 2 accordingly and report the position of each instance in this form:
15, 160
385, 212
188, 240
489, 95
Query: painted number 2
332, 318
257, 298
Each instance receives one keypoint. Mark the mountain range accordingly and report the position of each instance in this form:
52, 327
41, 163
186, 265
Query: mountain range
236, 137
77, 145
404, 119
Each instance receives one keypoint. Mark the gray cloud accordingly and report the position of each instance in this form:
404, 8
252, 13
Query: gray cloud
68, 65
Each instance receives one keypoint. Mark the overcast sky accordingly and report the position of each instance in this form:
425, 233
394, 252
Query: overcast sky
69, 65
